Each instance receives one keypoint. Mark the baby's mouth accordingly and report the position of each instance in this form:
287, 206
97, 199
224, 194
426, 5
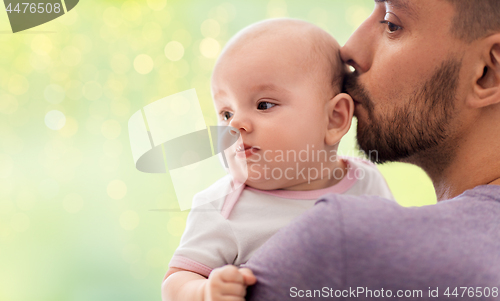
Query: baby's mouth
243, 147
245, 150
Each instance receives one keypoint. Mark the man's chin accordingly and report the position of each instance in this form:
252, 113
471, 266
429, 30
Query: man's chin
378, 155
373, 148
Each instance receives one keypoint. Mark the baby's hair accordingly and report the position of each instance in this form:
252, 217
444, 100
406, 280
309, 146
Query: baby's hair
323, 47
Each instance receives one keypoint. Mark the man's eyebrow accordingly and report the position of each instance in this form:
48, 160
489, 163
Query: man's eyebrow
396, 3
401, 5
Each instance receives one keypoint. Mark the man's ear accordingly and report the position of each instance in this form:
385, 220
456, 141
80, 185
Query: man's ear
340, 110
487, 80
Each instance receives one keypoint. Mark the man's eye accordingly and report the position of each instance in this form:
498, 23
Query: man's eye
226, 115
265, 105
391, 27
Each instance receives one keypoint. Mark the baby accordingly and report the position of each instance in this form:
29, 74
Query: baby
278, 83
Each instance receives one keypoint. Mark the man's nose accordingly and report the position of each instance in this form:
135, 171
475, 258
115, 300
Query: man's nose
358, 51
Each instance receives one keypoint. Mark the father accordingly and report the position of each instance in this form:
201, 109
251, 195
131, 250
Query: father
427, 92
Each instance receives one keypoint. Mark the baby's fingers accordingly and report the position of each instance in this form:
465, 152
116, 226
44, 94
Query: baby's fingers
230, 273
248, 276
233, 290
228, 283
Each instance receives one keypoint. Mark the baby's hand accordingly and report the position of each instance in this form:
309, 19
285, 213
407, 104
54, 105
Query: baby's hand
228, 283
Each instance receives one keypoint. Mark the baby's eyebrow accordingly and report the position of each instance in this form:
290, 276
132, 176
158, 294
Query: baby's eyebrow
269, 87
219, 93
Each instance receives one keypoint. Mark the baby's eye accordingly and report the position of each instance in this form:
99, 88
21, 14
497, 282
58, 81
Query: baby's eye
265, 105
226, 115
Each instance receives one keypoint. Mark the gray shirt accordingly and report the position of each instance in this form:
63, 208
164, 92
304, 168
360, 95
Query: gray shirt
369, 248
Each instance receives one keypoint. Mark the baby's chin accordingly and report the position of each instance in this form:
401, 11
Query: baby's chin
268, 185
252, 175
265, 184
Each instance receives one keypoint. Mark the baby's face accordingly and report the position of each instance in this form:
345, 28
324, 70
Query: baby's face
278, 104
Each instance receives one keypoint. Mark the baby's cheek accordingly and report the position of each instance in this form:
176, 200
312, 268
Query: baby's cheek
238, 169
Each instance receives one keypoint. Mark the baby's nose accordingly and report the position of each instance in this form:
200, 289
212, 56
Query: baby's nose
241, 123
234, 131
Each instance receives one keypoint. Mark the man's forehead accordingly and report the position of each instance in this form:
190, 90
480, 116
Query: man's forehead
406, 5
396, 3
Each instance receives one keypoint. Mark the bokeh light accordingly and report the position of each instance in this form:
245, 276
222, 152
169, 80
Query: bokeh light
71, 56
356, 14
157, 4
143, 64
70, 128
112, 17
73, 89
176, 225
55, 120
120, 63
92, 90
131, 11
41, 44
8, 105
40, 62
82, 42
174, 51
277, 9
129, 220
210, 48
120, 107
210, 28
152, 32
117, 189
111, 129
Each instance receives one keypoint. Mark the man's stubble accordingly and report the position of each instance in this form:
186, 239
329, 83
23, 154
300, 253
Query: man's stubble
419, 130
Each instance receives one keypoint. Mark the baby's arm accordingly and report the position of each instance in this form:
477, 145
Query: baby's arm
224, 283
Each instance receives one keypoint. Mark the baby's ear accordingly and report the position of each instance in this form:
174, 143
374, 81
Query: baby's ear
340, 110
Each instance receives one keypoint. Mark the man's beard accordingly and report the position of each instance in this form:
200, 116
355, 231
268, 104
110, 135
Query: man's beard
417, 128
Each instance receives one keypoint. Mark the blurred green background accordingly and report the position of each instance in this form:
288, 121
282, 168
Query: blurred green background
77, 220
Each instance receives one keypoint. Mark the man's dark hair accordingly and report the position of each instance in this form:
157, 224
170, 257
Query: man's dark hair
475, 19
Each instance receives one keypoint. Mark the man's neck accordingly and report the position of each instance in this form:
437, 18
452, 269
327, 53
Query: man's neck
466, 171
496, 182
